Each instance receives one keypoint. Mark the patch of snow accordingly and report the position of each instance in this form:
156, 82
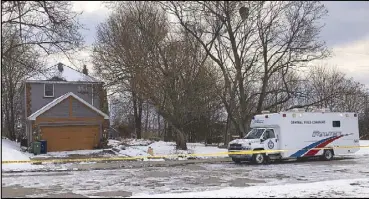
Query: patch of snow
365, 149
334, 188
114, 143
133, 151
61, 154
137, 142
167, 149
87, 162
156, 159
10, 151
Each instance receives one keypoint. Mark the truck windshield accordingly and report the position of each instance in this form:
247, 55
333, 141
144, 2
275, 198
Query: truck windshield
254, 134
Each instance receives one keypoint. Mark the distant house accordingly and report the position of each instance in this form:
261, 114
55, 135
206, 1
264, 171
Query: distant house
65, 107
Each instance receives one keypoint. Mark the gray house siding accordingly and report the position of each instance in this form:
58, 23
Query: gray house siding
60, 110
38, 100
81, 110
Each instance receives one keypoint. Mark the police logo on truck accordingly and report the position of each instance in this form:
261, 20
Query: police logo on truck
270, 144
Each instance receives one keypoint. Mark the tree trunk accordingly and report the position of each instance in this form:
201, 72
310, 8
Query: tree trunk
11, 122
180, 140
226, 137
3, 115
159, 131
168, 132
139, 118
137, 112
147, 117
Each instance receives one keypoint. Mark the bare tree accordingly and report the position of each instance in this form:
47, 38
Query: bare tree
321, 88
119, 54
16, 66
275, 37
181, 87
48, 26
136, 51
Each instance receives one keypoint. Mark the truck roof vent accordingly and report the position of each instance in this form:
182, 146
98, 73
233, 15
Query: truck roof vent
264, 112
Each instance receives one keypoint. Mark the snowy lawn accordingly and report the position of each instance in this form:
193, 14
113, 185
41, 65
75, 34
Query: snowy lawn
365, 149
125, 148
161, 148
11, 151
334, 188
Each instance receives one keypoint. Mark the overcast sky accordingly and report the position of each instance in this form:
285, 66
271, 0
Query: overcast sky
346, 32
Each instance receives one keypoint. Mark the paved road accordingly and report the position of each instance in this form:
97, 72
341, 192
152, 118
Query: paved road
174, 177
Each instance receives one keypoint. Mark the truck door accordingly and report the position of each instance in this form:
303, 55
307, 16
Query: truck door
270, 140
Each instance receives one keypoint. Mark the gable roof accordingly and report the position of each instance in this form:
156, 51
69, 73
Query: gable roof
58, 100
67, 74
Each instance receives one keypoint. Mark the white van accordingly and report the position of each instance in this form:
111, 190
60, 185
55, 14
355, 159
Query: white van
296, 135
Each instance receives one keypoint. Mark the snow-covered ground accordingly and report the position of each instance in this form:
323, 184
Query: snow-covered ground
332, 188
289, 179
11, 151
125, 148
365, 148
167, 149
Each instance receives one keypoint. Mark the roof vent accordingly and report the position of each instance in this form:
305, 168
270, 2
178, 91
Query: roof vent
60, 67
298, 110
56, 78
85, 71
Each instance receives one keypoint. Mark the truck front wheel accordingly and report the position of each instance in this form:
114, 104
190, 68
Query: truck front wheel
328, 154
259, 158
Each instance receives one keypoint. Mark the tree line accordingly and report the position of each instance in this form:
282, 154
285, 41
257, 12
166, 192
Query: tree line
201, 70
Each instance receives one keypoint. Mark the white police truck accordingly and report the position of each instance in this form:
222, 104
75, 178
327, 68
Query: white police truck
296, 135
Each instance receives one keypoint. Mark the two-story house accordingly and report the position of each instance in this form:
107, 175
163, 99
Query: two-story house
65, 107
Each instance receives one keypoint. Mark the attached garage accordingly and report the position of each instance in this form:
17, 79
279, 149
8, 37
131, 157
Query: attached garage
69, 138
69, 123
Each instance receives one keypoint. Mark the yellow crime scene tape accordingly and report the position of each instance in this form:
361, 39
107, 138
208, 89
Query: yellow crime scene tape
249, 152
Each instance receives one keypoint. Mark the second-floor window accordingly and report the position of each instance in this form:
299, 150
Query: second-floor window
83, 89
49, 90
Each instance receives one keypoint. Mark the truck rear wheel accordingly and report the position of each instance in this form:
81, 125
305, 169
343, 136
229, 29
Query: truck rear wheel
328, 154
259, 158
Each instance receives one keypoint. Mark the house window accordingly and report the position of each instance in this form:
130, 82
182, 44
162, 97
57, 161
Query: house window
82, 89
48, 90
336, 124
